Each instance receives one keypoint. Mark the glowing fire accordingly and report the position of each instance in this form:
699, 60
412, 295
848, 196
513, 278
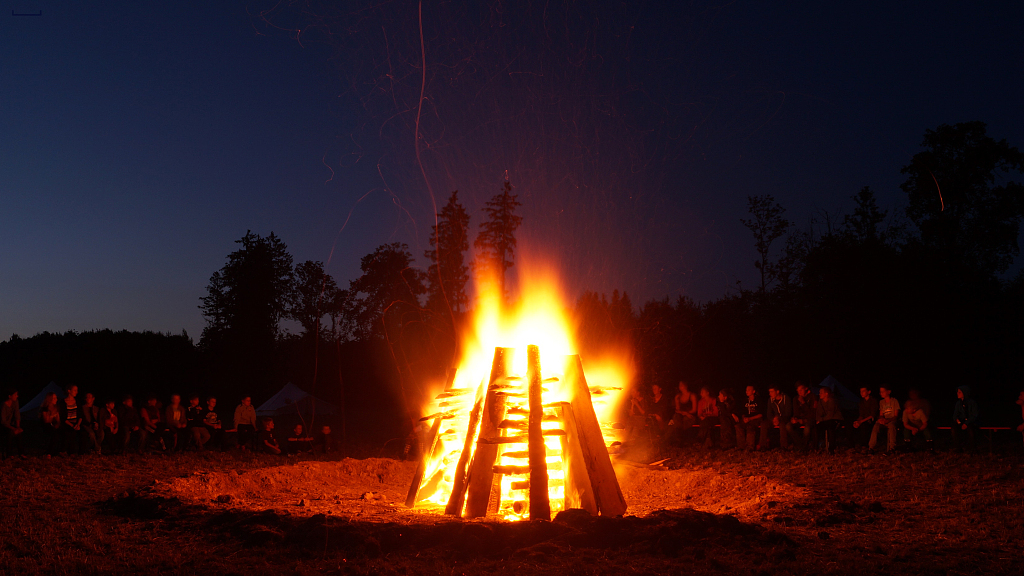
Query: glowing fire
539, 318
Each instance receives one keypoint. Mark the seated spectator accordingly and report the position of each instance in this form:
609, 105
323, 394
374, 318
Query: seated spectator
108, 419
92, 428
128, 424
779, 413
661, 411
265, 441
867, 413
637, 414
752, 414
298, 441
10, 425
805, 414
213, 424
175, 425
965, 418
70, 421
888, 416
152, 425
49, 421
729, 437
684, 413
324, 442
915, 419
829, 418
194, 415
707, 413
245, 423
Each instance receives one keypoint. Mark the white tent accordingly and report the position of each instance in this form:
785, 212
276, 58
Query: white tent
847, 399
293, 400
31, 409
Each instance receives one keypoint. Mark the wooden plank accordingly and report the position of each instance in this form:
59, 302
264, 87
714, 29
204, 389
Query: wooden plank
427, 448
607, 493
458, 496
579, 493
481, 474
540, 507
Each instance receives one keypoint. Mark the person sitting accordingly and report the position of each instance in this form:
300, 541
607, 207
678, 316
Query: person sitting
804, 414
128, 424
49, 419
828, 419
108, 419
194, 416
92, 427
176, 425
916, 412
324, 442
779, 413
729, 436
245, 423
637, 420
867, 413
70, 421
10, 425
661, 411
888, 416
707, 413
298, 441
152, 425
965, 418
750, 422
265, 441
211, 420
685, 413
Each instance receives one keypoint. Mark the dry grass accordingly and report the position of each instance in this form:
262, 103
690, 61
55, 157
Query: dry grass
774, 513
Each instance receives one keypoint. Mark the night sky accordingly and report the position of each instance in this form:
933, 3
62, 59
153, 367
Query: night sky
139, 140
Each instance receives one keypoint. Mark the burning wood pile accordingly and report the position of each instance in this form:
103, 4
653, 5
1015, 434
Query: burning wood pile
518, 445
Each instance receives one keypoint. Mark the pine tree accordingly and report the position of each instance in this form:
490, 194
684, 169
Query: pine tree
496, 241
448, 274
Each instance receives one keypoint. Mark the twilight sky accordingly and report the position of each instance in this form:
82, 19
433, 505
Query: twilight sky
139, 140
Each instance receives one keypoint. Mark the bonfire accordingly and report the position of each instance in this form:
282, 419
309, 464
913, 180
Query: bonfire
518, 431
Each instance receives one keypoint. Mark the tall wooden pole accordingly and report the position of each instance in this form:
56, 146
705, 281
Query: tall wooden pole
481, 469
540, 507
458, 496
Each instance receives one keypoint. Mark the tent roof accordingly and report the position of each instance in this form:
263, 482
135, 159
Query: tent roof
847, 399
290, 400
37, 401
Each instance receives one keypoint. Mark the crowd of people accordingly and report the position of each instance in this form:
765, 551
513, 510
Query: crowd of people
67, 426
810, 420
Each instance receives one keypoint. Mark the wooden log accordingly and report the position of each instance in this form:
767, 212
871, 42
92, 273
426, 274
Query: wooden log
607, 492
458, 496
540, 507
579, 493
512, 470
427, 447
481, 474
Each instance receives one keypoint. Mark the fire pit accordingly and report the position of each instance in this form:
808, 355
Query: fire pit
518, 445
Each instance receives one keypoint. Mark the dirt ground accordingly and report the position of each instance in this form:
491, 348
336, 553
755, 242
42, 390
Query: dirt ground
707, 512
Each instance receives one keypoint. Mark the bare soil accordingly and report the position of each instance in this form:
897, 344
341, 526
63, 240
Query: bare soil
707, 512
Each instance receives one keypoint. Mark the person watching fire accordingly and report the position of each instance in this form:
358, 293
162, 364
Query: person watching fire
916, 412
888, 416
829, 418
779, 414
750, 422
804, 409
867, 413
707, 412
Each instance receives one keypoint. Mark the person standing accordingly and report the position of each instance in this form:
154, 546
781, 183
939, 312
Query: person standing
10, 425
176, 424
92, 429
245, 423
867, 413
965, 418
888, 416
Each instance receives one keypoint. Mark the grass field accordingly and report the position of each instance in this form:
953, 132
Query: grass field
725, 512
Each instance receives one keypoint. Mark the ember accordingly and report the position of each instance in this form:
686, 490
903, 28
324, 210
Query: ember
521, 439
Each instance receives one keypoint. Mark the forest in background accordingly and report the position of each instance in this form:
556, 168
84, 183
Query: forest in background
916, 297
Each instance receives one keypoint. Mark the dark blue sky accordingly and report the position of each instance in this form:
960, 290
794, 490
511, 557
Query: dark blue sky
139, 140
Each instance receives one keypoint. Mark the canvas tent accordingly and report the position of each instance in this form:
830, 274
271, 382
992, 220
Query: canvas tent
292, 400
30, 411
847, 399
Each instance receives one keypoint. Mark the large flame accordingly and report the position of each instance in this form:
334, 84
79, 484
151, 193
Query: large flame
539, 317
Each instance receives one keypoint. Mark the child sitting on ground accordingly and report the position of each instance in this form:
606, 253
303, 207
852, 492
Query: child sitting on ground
265, 441
298, 441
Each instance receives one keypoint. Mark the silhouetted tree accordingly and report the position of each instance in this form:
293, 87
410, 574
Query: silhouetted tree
313, 297
975, 220
496, 241
767, 225
390, 289
448, 274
